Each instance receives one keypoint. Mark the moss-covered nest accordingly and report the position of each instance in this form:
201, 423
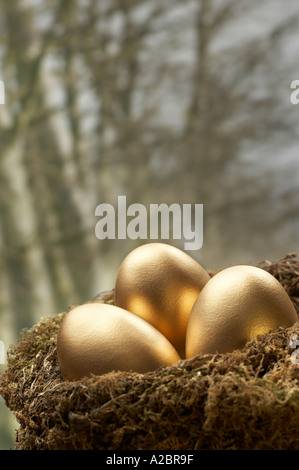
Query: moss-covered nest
248, 399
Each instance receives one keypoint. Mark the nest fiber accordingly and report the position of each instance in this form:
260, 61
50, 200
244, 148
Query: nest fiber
247, 399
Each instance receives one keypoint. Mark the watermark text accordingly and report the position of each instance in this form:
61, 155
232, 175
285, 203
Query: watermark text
293, 343
295, 94
160, 221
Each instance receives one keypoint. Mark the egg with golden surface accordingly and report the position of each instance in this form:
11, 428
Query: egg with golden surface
97, 338
160, 283
236, 305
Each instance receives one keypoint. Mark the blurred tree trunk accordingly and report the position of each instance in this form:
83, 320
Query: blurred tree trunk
24, 229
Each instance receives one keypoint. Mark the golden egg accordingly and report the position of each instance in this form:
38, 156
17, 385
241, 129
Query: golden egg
160, 283
236, 305
97, 338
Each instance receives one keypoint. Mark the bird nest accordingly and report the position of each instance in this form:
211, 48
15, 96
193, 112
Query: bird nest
247, 399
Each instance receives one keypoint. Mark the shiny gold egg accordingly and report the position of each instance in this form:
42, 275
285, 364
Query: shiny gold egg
160, 283
236, 305
97, 338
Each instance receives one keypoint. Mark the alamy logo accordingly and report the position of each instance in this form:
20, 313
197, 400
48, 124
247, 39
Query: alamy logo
2, 353
293, 343
295, 94
2, 92
135, 222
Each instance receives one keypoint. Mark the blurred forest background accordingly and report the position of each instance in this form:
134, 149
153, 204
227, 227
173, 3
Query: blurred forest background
159, 100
